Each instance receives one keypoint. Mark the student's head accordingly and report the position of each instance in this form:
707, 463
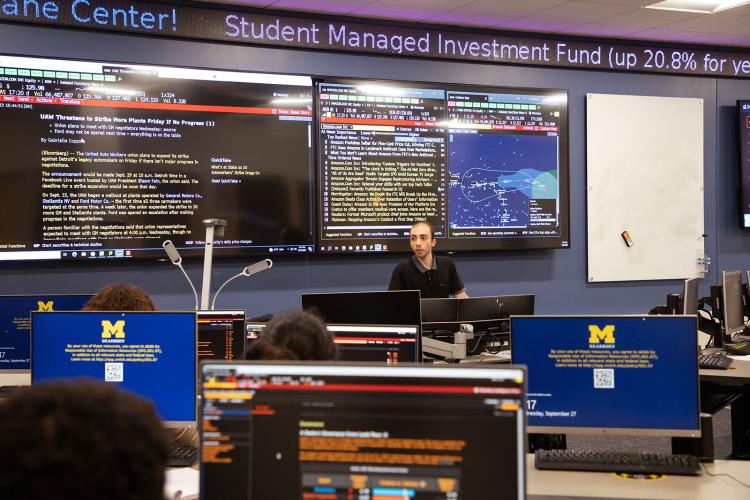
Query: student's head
298, 335
120, 297
80, 440
422, 239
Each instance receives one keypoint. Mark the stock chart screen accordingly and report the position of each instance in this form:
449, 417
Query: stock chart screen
486, 167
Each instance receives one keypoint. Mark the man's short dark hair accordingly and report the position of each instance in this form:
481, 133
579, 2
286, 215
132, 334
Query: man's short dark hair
297, 335
429, 226
80, 440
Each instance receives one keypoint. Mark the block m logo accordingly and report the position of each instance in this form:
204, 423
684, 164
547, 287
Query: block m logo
596, 335
45, 306
118, 329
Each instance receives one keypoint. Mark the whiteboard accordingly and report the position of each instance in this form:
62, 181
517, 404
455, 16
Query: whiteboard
644, 175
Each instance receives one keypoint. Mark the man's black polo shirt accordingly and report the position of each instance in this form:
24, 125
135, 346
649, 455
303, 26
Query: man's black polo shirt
441, 281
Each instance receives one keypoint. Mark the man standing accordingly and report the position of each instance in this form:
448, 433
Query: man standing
435, 277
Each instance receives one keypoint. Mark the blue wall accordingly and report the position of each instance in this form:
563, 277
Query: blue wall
557, 277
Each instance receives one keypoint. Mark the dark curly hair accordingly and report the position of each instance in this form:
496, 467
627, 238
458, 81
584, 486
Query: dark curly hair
120, 297
298, 335
80, 440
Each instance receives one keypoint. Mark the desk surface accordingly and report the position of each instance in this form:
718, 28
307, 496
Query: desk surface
15, 378
738, 373
606, 485
565, 484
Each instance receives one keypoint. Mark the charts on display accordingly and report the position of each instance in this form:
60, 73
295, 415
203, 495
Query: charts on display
107, 160
486, 167
743, 135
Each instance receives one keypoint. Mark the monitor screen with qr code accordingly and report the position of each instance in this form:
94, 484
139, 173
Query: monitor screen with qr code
150, 353
611, 374
15, 324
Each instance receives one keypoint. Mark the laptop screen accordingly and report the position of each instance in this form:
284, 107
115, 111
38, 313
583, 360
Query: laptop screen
301, 430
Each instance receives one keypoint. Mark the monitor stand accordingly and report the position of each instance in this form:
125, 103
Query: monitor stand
702, 447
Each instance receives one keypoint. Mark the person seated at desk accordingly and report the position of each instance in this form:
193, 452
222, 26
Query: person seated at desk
80, 440
298, 335
126, 297
120, 297
435, 277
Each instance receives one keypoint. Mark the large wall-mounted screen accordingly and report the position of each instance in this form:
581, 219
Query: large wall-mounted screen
743, 134
487, 167
107, 160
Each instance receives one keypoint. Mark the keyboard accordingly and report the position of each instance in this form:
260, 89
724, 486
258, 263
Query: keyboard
714, 361
7, 390
607, 461
182, 456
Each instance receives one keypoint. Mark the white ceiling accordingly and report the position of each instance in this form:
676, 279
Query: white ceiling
600, 18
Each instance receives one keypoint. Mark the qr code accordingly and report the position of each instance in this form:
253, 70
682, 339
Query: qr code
113, 372
604, 378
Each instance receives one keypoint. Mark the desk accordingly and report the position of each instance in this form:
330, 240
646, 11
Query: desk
542, 484
738, 374
721, 387
15, 378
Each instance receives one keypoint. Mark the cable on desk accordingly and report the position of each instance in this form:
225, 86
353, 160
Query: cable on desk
746, 485
707, 316
479, 343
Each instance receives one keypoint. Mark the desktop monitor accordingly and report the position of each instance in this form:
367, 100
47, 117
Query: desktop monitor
490, 314
253, 331
15, 324
221, 335
610, 374
499, 307
370, 308
150, 353
392, 344
690, 296
439, 310
732, 309
304, 430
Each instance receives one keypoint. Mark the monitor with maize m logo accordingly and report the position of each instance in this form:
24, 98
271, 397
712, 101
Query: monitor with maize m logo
602, 338
45, 306
117, 330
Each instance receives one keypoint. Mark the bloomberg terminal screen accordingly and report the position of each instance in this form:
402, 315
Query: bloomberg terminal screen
314, 437
743, 108
486, 167
108, 160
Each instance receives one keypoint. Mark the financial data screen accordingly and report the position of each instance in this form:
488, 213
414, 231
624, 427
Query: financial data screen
221, 335
15, 324
629, 373
152, 354
743, 108
109, 160
307, 431
377, 343
486, 167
